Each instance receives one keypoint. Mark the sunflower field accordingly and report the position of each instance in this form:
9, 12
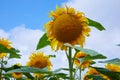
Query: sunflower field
66, 31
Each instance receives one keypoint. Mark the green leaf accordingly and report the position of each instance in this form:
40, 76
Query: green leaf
52, 56
95, 24
13, 52
95, 77
91, 54
27, 69
3, 49
112, 61
7, 76
62, 75
11, 68
14, 56
43, 42
53, 78
112, 75
60, 69
118, 44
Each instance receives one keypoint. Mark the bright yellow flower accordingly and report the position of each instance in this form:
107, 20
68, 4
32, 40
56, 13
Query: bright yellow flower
39, 60
2, 55
67, 26
93, 71
6, 43
113, 67
38, 75
85, 63
17, 75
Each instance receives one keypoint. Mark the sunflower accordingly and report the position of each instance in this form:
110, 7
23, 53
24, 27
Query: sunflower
17, 75
67, 26
38, 75
2, 55
39, 60
6, 43
84, 64
113, 67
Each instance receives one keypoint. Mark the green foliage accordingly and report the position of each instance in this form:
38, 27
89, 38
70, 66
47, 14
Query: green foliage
91, 54
7, 76
95, 77
13, 52
52, 56
53, 78
61, 75
26, 69
112, 75
118, 44
50, 74
112, 61
43, 42
95, 24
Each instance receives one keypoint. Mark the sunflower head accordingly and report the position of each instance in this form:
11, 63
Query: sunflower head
6, 43
39, 60
93, 71
84, 64
67, 26
2, 55
38, 75
17, 75
113, 67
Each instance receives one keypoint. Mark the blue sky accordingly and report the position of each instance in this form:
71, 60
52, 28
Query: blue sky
32, 13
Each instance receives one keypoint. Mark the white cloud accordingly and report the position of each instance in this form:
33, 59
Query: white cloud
26, 41
23, 39
3, 33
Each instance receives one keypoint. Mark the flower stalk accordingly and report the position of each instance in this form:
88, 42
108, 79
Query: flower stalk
80, 73
70, 63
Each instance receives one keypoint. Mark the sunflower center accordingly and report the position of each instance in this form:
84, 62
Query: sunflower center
17, 73
40, 64
67, 28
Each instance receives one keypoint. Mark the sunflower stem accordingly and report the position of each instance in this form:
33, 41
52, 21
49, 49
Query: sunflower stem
70, 63
80, 71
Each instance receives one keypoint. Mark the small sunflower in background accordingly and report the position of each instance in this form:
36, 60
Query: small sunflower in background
17, 75
113, 67
84, 64
67, 26
39, 60
39, 76
7, 44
